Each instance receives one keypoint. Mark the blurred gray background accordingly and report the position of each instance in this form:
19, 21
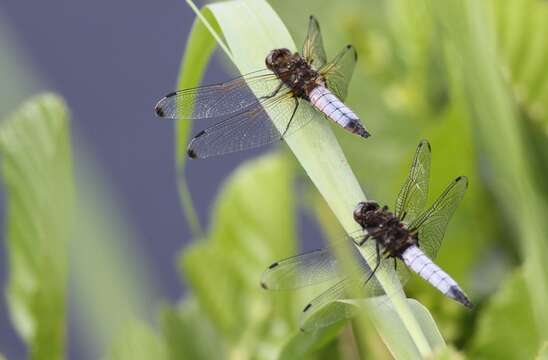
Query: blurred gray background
111, 60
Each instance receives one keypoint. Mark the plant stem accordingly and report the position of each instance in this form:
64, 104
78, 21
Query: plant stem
188, 208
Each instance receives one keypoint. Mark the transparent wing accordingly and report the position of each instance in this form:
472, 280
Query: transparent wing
320, 266
218, 100
250, 128
313, 50
301, 270
432, 223
414, 192
338, 71
308, 268
324, 310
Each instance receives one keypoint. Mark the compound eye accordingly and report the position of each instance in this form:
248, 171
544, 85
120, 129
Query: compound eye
358, 211
370, 206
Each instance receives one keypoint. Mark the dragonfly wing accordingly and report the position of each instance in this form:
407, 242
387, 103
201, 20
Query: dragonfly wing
309, 268
414, 192
251, 128
313, 50
301, 270
325, 310
338, 71
432, 223
218, 100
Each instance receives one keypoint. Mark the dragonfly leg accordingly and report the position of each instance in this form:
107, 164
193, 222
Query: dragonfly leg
273, 93
373, 234
377, 264
292, 115
365, 238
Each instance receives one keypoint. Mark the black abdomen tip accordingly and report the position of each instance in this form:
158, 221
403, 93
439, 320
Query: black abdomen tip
272, 266
456, 294
307, 307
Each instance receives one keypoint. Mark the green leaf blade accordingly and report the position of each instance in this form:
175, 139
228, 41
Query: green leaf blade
37, 172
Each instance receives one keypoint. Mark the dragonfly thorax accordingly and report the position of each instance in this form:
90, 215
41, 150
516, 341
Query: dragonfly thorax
384, 227
294, 71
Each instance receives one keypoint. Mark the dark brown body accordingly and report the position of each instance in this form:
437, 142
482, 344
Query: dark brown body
385, 228
294, 71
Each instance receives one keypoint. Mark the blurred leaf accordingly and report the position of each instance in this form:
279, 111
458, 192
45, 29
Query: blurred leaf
196, 56
521, 29
303, 344
252, 225
389, 325
543, 352
198, 51
508, 166
448, 353
188, 333
504, 328
111, 280
136, 341
37, 171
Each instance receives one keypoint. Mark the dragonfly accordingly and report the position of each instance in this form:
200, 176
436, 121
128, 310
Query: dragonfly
408, 235
290, 83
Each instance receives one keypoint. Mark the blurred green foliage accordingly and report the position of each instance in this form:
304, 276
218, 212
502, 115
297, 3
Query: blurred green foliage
467, 75
36, 167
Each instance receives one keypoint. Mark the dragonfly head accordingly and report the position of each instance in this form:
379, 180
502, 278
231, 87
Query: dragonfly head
363, 210
278, 59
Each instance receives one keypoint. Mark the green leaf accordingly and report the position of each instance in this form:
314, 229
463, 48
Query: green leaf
543, 352
314, 146
111, 280
136, 341
389, 325
37, 171
504, 329
448, 353
521, 29
252, 226
188, 334
198, 51
303, 344
501, 138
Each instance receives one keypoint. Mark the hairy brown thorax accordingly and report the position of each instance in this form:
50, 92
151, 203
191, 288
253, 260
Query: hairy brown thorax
384, 227
294, 71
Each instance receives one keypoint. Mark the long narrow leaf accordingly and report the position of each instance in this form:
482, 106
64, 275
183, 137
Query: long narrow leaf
314, 146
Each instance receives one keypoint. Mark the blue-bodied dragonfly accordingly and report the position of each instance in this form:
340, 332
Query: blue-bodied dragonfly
407, 235
242, 105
